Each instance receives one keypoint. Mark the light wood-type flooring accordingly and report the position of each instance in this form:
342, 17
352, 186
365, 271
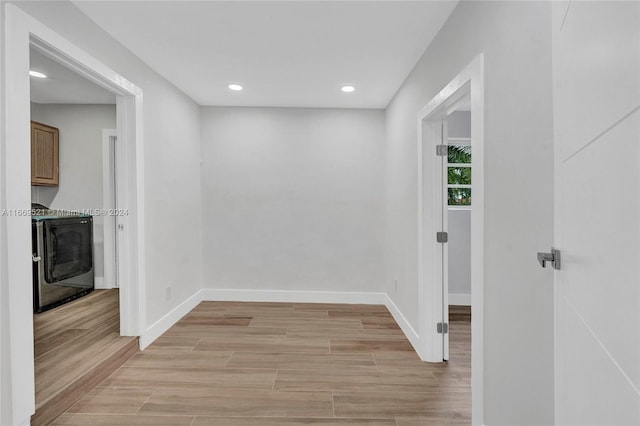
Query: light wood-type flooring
267, 364
76, 346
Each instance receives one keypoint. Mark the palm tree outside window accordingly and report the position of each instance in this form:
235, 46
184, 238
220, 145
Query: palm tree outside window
459, 174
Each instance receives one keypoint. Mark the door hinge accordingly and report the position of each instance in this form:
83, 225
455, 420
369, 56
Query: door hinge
442, 237
553, 258
443, 328
442, 150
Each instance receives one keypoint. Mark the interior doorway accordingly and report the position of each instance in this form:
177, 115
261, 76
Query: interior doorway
23, 32
78, 331
110, 203
437, 150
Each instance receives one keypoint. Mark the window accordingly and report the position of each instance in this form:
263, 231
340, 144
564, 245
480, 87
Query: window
459, 174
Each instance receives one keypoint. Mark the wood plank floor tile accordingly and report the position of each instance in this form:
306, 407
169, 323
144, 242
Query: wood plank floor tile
370, 346
239, 403
211, 308
83, 381
193, 378
173, 343
399, 404
348, 313
283, 421
203, 331
63, 360
53, 376
459, 313
379, 323
268, 311
321, 323
404, 359
291, 365
53, 342
443, 420
264, 344
249, 305
344, 381
108, 400
308, 361
277, 312
342, 307
121, 420
78, 314
168, 359
344, 333
216, 320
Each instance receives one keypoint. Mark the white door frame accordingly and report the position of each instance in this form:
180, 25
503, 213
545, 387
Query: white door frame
22, 33
469, 81
109, 165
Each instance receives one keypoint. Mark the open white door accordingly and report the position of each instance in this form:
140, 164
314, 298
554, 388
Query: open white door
596, 65
110, 205
444, 246
443, 234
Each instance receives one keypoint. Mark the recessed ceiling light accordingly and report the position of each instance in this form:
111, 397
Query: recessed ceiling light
235, 87
347, 88
37, 74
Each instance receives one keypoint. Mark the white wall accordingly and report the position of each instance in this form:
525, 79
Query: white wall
459, 124
5, 365
459, 227
459, 222
515, 38
293, 199
172, 189
80, 164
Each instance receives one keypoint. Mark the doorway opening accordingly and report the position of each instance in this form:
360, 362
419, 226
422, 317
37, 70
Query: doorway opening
110, 203
24, 33
450, 179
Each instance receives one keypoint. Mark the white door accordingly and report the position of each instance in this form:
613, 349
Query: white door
444, 201
109, 191
596, 74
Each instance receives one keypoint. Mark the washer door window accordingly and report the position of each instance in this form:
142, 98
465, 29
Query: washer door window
68, 248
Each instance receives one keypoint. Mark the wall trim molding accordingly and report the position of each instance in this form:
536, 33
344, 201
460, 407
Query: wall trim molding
460, 299
99, 284
281, 296
166, 322
292, 296
405, 326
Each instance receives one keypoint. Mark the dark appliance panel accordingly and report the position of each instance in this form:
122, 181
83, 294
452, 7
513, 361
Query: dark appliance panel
63, 259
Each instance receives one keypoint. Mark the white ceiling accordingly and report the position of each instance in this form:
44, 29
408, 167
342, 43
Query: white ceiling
284, 53
63, 86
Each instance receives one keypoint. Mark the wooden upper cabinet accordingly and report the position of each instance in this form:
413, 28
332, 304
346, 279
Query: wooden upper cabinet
44, 154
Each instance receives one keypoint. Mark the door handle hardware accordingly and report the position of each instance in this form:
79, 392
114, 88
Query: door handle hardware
35, 258
553, 258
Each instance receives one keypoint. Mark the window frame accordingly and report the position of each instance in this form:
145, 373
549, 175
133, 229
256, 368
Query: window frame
457, 142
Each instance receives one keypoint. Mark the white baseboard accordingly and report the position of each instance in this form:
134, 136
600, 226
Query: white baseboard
460, 299
100, 284
167, 321
406, 328
284, 296
287, 296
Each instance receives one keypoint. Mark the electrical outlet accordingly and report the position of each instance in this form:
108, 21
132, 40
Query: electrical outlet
395, 286
167, 293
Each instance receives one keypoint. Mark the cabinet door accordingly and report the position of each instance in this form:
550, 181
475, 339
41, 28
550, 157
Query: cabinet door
44, 154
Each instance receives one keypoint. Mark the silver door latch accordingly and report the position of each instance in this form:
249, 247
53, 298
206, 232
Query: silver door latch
553, 258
